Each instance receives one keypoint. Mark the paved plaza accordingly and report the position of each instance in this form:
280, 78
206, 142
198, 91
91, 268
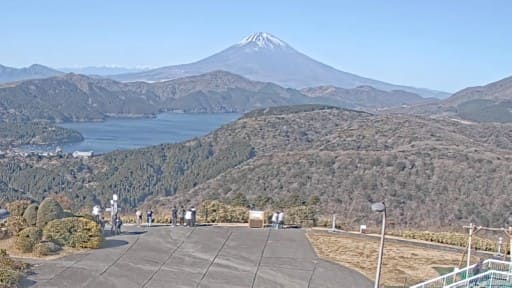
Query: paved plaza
197, 257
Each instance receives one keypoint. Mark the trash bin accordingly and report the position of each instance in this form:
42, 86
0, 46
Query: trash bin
256, 219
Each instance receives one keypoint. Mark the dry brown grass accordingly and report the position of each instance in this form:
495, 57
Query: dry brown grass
8, 245
402, 263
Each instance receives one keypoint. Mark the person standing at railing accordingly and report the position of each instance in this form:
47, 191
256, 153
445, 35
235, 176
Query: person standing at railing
280, 220
138, 217
274, 220
182, 216
174, 215
478, 267
477, 270
149, 217
188, 218
193, 217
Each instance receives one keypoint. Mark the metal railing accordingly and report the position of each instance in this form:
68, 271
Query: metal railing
489, 279
466, 273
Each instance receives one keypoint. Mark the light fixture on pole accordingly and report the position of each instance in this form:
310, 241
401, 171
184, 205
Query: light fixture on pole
500, 242
380, 207
113, 208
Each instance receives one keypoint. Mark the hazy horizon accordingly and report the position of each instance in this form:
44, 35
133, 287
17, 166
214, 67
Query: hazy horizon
436, 44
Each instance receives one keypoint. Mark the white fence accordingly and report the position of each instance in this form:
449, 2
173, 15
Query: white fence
465, 275
489, 279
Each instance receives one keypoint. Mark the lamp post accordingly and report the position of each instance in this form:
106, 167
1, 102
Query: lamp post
500, 242
113, 208
380, 207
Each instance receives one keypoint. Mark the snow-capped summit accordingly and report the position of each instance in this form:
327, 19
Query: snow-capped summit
262, 56
263, 40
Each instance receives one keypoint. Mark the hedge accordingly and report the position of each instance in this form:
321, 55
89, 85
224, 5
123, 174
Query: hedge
30, 214
15, 224
27, 238
76, 232
49, 210
17, 208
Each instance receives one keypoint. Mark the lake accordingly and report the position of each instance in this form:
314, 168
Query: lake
122, 134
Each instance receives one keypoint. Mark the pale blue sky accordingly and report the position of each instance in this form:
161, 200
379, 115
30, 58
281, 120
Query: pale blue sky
438, 44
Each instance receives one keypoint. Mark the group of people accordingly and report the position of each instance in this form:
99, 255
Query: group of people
182, 217
278, 220
115, 221
115, 228
187, 217
149, 217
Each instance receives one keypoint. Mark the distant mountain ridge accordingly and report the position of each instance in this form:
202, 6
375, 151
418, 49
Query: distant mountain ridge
264, 57
366, 98
35, 71
101, 70
488, 103
74, 97
500, 90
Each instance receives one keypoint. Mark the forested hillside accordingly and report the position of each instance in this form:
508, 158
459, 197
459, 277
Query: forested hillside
135, 175
73, 97
38, 133
482, 104
431, 173
366, 97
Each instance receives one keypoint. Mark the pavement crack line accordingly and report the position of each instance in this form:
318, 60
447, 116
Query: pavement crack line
312, 274
69, 266
168, 258
120, 256
261, 259
287, 268
214, 258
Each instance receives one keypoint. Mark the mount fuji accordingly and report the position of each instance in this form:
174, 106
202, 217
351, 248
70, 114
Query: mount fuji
264, 57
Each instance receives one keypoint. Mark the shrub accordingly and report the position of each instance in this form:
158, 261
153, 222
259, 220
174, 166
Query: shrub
219, 212
11, 271
17, 208
449, 238
15, 224
10, 278
4, 233
87, 216
301, 215
49, 210
27, 238
74, 232
6, 262
41, 249
30, 214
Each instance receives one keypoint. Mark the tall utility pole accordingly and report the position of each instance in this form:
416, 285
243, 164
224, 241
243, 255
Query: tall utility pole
471, 228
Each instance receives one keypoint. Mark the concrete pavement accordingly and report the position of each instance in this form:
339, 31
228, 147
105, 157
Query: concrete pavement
197, 257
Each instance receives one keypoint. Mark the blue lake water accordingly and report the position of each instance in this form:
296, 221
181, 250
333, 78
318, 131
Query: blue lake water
122, 134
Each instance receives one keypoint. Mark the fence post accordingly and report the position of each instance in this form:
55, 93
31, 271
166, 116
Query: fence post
333, 222
509, 234
468, 262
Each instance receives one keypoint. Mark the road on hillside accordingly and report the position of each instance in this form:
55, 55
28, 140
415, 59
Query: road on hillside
197, 257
